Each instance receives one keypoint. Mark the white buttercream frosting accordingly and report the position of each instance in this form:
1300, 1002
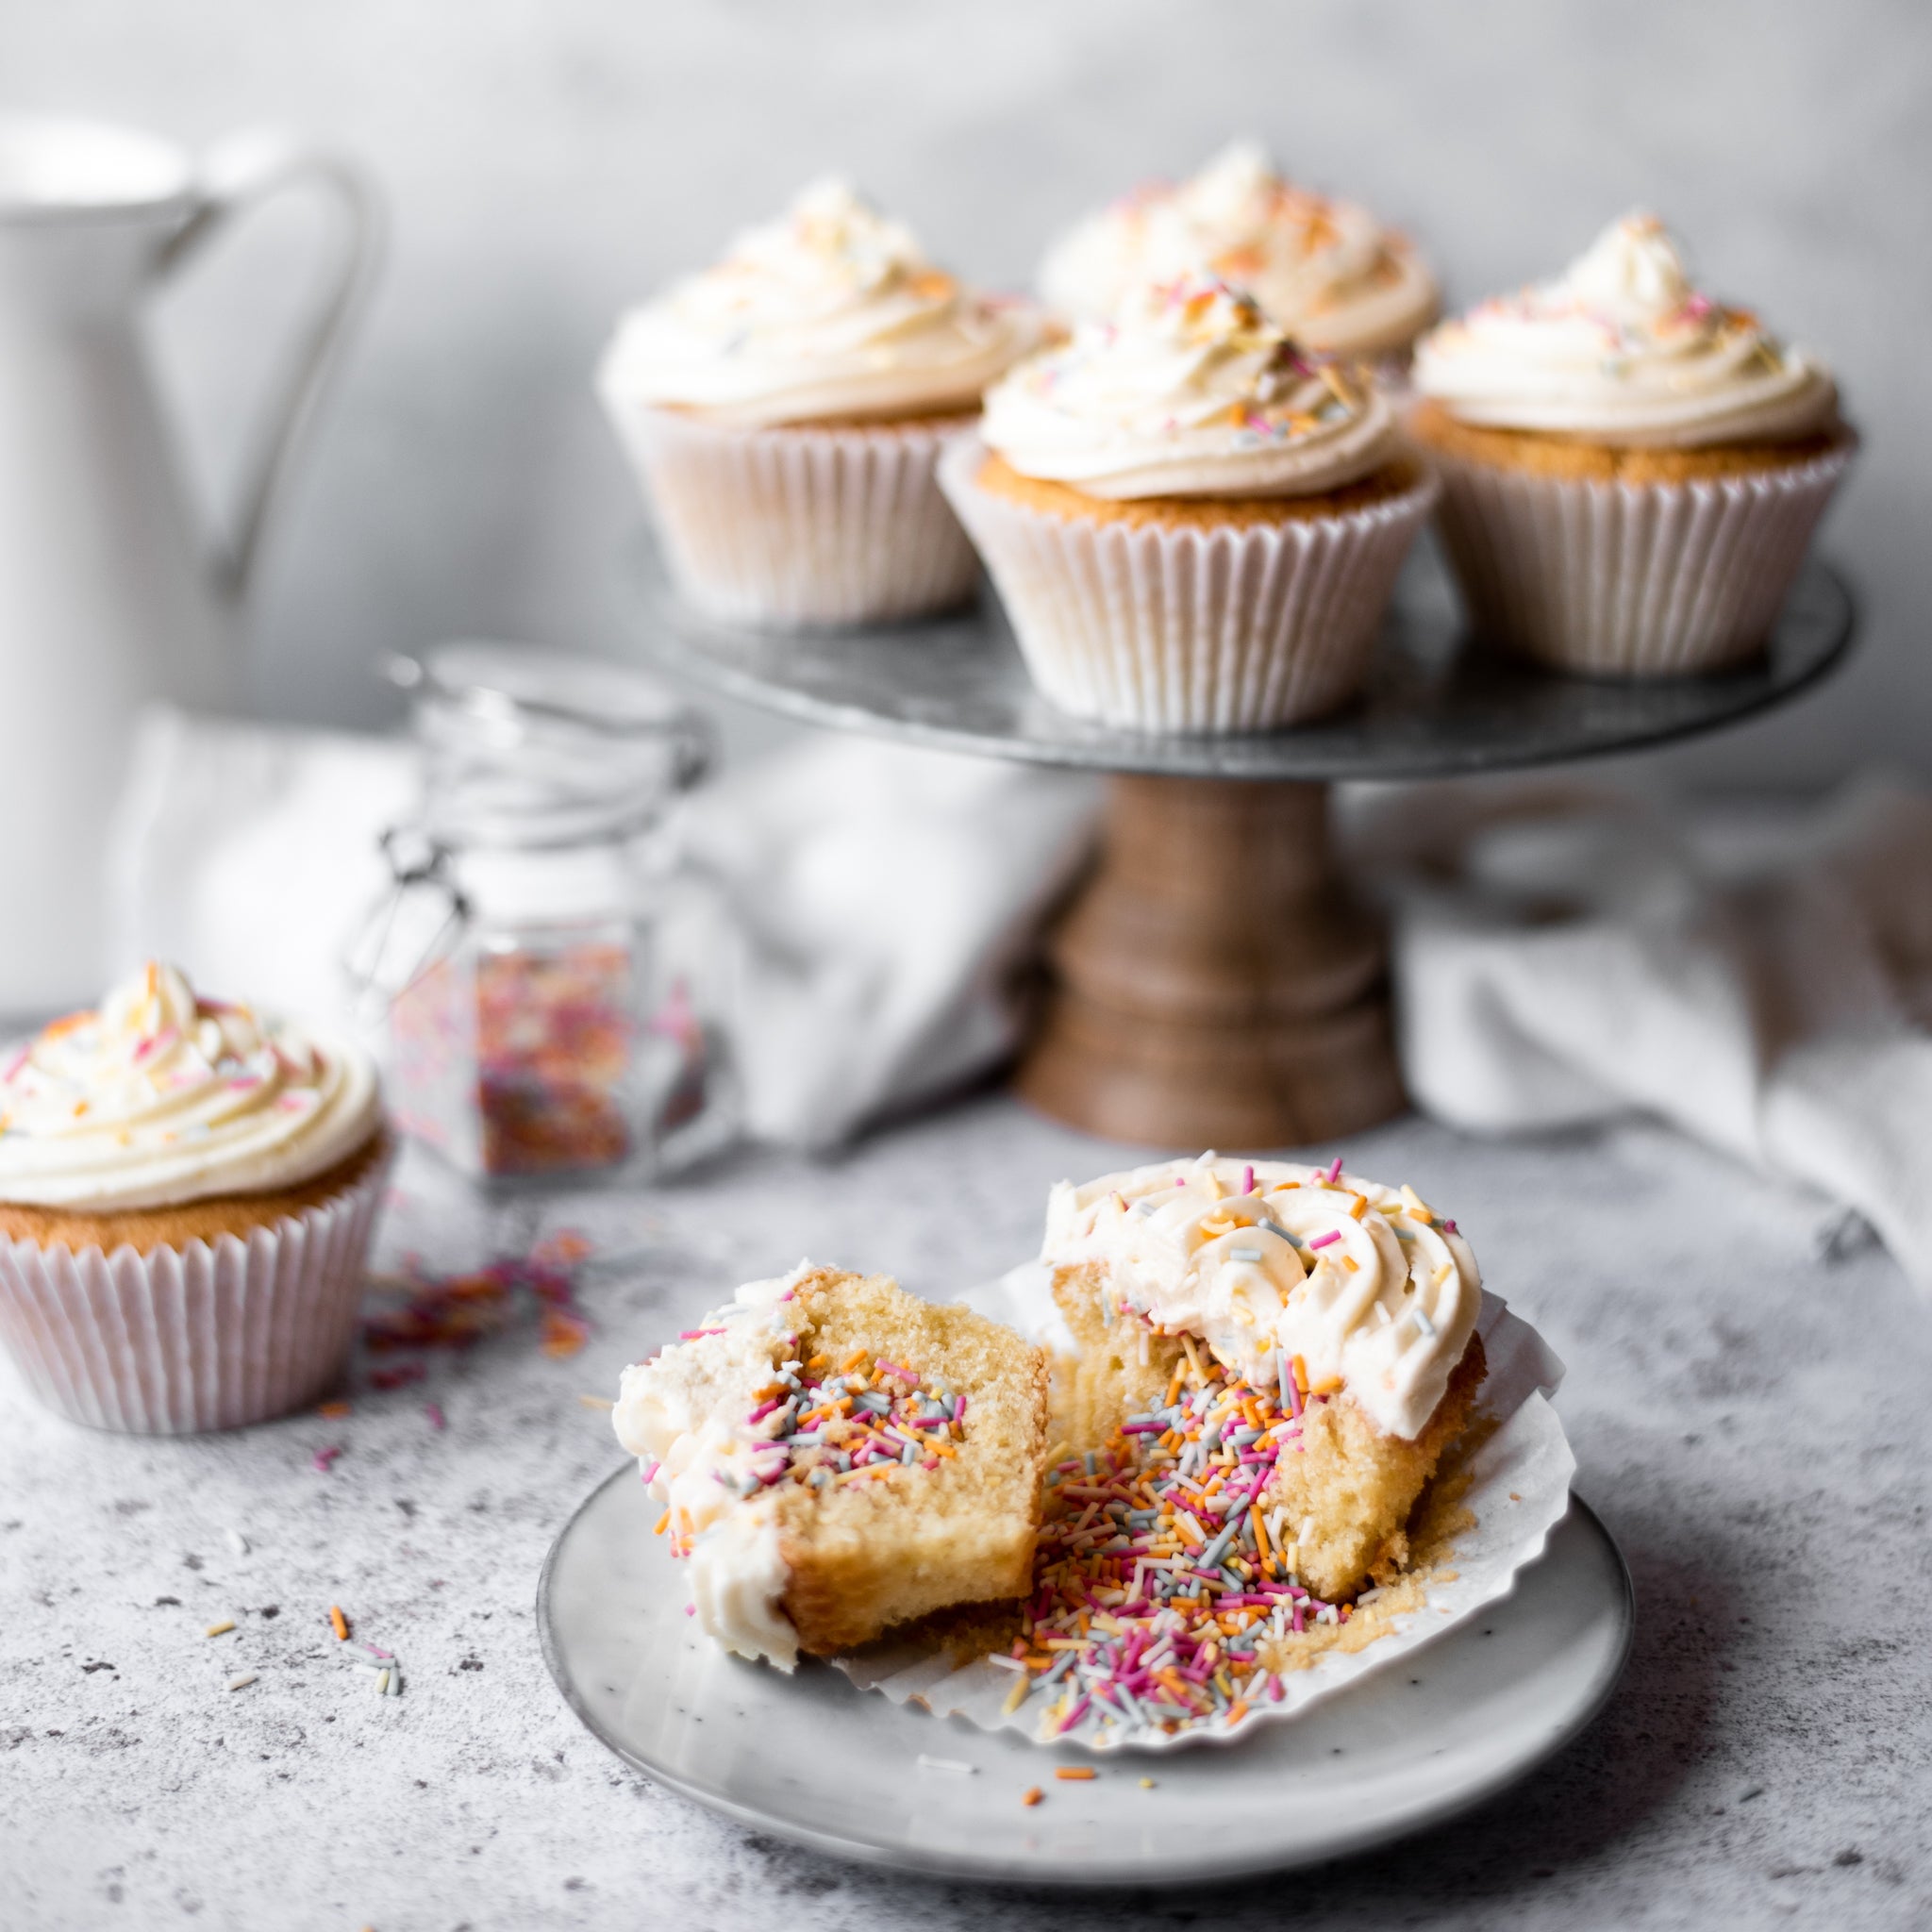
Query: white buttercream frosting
1269, 1262
1190, 391
685, 1415
1326, 270
830, 311
162, 1097
1623, 348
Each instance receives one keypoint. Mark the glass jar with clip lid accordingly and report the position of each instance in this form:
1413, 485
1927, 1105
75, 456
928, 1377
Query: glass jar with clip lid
531, 1033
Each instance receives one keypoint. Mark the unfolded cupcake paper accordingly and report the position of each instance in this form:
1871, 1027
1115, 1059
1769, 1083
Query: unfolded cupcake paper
1519, 1492
206, 1336
1153, 629
1631, 579
801, 526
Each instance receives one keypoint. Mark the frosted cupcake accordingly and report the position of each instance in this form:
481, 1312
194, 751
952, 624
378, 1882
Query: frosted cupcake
1326, 270
1631, 470
785, 409
186, 1195
1195, 526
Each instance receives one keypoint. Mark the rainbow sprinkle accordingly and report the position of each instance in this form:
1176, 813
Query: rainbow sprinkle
455, 1311
1158, 1579
824, 1424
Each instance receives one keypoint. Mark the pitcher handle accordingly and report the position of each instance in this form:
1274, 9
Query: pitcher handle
236, 173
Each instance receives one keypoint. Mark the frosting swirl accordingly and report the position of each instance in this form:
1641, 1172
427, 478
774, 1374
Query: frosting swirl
161, 1097
831, 311
1326, 270
1268, 1261
1189, 392
1621, 349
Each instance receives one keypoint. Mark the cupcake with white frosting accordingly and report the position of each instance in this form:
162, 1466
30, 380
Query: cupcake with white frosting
1325, 270
784, 410
1353, 1305
186, 1195
1632, 469
1194, 524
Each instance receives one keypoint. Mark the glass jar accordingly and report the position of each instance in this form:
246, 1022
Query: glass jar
530, 1033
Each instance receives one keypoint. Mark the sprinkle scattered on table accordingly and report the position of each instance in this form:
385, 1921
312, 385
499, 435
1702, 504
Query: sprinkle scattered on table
434, 1412
334, 1411
1033, 1795
325, 1459
1075, 1773
241, 1681
220, 1629
338, 1623
946, 1764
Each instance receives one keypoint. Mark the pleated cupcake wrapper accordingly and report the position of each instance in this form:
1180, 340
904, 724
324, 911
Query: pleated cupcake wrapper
800, 526
1163, 629
200, 1336
1630, 580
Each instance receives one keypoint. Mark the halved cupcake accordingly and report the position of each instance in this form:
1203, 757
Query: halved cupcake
1326, 270
838, 1456
1327, 1322
1632, 471
1194, 524
784, 410
186, 1195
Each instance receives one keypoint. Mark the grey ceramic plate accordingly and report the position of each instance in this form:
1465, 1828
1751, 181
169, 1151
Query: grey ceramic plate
810, 1759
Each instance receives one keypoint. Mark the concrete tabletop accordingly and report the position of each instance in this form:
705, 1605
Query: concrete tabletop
1750, 1397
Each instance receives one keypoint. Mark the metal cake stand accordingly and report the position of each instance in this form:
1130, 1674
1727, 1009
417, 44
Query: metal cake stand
1211, 982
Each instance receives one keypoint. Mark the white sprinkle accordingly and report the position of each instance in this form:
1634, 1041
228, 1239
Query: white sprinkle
238, 1542
242, 1681
393, 1688
946, 1764
1422, 1321
1244, 1254
382, 1683
1007, 1663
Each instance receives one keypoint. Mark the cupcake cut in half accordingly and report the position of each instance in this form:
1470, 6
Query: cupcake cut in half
1632, 469
187, 1195
784, 410
1341, 1314
1195, 525
1325, 270
837, 1456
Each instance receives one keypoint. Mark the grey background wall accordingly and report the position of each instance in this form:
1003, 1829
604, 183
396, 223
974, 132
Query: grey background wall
547, 161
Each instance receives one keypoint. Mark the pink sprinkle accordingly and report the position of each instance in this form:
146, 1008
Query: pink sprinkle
763, 1409
1247, 1180
693, 1334
959, 1410
323, 1458
1180, 1181
1335, 1171
1323, 1241
242, 1082
1448, 1227
691, 1609
434, 1412
18, 1061
904, 1374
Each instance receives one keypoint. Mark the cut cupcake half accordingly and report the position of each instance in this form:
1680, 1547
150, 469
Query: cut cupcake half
837, 1456
1326, 1322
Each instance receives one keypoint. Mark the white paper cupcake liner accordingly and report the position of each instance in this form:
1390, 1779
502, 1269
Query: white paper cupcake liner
1519, 1491
1630, 580
199, 1337
1163, 629
800, 526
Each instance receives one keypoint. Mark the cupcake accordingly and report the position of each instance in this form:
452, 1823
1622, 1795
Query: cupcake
1346, 1309
1326, 270
186, 1199
1193, 524
1631, 470
837, 1456
785, 409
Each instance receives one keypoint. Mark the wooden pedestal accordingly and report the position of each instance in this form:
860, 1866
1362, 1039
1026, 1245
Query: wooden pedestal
1213, 985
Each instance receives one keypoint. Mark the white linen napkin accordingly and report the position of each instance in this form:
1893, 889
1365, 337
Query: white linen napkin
1563, 955
852, 913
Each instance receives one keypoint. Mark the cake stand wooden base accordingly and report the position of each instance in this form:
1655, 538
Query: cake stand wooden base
1214, 984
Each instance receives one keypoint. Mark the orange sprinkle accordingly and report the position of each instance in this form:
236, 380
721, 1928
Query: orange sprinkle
1033, 1795
1260, 1527
853, 1360
338, 1623
658, 1530
1328, 1385
1236, 1710
334, 1410
1360, 1207
1301, 1373
1075, 1773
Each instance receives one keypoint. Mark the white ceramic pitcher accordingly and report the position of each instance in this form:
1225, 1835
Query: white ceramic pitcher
109, 595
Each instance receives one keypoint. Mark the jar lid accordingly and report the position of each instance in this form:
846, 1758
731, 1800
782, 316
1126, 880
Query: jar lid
531, 748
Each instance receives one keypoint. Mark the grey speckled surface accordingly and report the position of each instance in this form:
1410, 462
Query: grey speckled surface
1751, 1420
